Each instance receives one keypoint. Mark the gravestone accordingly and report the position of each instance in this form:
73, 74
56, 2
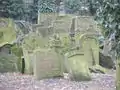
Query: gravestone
6, 49
47, 64
62, 24
44, 17
30, 43
90, 46
77, 66
8, 63
29, 58
86, 24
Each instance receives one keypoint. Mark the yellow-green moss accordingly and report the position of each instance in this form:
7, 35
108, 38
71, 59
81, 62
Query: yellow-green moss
8, 34
8, 63
77, 66
17, 51
33, 41
47, 64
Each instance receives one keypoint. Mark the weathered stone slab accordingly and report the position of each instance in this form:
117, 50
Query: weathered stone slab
45, 31
30, 43
85, 24
47, 64
46, 18
29, 58
77, 66
33, 41
90, 46
8, 63
62, 24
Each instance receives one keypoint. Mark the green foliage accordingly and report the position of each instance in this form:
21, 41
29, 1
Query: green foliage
46, 6
17, 9
73, 6
108, 15
11, 8
17, 50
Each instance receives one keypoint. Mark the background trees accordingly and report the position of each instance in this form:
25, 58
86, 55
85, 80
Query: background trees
17, 9
108, 16
11, 8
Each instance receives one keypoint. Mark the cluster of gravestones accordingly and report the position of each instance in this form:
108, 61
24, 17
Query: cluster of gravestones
62, 44
57, 45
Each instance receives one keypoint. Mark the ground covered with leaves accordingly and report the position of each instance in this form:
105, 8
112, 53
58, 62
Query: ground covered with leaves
16, 81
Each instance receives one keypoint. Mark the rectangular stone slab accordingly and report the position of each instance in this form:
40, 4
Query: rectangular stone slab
46, 64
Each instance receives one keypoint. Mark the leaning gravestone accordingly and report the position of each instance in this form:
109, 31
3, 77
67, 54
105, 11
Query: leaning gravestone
47, 64
90, 46
77, 66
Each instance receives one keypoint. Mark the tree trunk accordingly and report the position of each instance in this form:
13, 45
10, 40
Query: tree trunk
118, 75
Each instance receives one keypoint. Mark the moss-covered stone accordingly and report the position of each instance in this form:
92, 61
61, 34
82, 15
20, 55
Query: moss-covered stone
62, 24
31, 42
46, 18
47, 64
77, 66
98, 69
17, 51
28, 57
8, 63
7, 31
90, 46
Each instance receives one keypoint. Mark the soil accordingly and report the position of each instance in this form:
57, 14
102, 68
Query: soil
17, 81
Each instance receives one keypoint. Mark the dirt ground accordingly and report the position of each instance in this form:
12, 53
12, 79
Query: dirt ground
16, 81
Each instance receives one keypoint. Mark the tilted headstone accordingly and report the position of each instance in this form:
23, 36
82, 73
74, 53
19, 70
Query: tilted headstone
47, 64
77, 66
90, 45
